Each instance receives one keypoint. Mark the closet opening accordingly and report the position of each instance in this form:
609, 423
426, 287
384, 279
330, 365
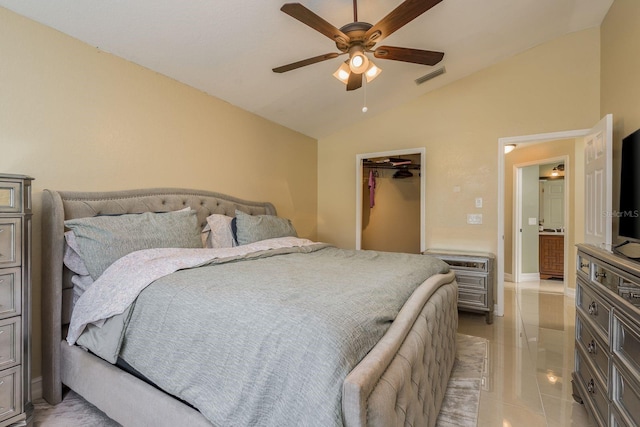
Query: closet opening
390, 201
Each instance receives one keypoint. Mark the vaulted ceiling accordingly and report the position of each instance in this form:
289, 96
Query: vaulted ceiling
227, 48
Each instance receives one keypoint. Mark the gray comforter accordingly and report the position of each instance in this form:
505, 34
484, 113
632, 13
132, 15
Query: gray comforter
269, 340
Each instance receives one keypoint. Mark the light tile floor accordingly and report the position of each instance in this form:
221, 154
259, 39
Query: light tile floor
530, 359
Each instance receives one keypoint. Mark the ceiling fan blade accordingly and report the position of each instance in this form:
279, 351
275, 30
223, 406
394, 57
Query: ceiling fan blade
416, 56
305, 62
355, 81
398, 17
304, 15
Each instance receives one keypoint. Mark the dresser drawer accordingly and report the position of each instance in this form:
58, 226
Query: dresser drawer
594, 349
10, 240
596, 393
629, 291
10, 342
595, 309
603, 275
471, 281
10, 393
626, 341
626, 395
10, 292
583, 266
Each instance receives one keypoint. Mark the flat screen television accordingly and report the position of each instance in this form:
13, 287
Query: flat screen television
629, 212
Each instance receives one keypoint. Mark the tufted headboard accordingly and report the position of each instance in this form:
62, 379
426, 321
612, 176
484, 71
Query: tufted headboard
57, 289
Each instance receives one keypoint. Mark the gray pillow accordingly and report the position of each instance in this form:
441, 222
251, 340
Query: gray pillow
253, 228
104, 239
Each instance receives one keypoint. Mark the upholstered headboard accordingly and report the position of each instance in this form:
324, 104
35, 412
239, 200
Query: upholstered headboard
57, 289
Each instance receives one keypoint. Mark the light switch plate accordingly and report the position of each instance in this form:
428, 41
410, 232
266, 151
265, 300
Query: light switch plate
474, 218
533, 221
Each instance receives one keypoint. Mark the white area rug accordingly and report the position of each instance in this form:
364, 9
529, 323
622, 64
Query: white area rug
460, 406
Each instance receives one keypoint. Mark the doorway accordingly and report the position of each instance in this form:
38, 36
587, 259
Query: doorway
405, 182
541, 217
597, 145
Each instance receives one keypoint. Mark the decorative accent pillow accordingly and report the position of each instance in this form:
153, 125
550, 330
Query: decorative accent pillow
220, 234
104, 239
253, 228
72, 258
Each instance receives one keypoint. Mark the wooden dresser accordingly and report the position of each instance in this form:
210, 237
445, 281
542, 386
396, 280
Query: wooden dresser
607, 347
16, 408
475, 276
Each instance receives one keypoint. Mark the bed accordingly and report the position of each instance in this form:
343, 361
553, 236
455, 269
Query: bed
400, 379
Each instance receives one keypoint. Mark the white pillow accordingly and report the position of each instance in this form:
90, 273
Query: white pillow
220, 234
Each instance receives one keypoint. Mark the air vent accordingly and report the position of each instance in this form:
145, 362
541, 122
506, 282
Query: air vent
430, 76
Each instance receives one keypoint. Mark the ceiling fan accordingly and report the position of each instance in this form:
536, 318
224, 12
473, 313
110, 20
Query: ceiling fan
358, 38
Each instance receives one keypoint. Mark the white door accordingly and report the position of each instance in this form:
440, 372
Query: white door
598, 206
553, 206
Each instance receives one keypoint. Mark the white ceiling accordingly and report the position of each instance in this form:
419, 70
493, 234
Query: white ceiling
228, 48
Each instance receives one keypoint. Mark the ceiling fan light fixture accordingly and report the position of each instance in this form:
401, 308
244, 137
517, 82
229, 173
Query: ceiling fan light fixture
342, 73
372, 72
358, 61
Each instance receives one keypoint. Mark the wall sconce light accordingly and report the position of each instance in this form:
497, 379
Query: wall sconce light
509, 148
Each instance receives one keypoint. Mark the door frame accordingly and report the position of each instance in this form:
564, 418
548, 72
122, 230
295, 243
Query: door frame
423, 190
517, 212
518, 140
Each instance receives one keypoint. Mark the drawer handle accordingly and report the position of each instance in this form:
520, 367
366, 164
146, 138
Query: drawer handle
591, 386
591, 347
603, 274
584, 265
593, 308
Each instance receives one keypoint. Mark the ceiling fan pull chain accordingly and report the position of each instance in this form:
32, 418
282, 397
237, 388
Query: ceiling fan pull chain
364, 89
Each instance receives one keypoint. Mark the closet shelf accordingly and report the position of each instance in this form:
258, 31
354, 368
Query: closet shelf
386, 165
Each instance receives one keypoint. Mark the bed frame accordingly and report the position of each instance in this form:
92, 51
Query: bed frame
400, 382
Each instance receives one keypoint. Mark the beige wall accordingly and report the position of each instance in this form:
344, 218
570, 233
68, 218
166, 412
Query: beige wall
620, 79
77, 118
552, 87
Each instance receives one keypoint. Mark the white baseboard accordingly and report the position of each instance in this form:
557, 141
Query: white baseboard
529, 277
508, 277
36, 388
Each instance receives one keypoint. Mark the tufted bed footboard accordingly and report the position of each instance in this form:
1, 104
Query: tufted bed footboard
402, 381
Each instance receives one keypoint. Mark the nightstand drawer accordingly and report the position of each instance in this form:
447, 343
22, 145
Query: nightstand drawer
10, 241
10, 342
471, 281
471, 299
10, 393
10, 292
10, 196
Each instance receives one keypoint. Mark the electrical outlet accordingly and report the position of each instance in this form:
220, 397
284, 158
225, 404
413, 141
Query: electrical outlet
478, 202
474, 218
